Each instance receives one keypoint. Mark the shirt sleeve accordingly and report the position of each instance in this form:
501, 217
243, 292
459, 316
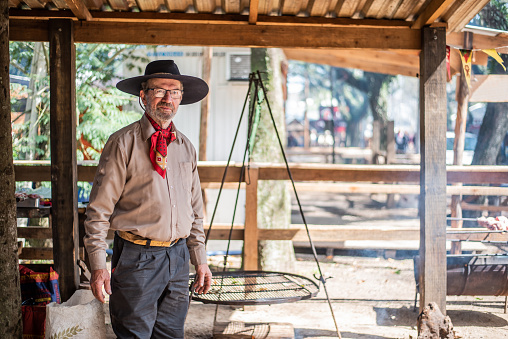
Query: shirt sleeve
196, 240
106, 190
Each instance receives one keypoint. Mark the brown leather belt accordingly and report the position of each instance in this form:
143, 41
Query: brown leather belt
138, 240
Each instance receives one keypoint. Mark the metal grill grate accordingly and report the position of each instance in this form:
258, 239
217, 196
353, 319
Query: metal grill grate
257, 288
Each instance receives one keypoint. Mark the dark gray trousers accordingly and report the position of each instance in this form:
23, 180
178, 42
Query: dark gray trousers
150, 288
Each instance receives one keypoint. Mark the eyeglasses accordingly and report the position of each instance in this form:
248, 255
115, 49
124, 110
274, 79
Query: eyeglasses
175, 94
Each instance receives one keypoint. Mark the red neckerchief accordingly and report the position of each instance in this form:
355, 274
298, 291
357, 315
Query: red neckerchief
158, 148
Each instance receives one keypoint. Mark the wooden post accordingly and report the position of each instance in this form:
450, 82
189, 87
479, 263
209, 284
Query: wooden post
390, 156
458, 143
205, 103
375, 143
433, 168
10, 295
390, 142
205, 113
63, 154
250, 244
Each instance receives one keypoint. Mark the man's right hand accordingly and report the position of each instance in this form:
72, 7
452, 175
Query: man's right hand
100, 278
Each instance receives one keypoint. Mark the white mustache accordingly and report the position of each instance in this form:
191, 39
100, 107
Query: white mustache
166, 106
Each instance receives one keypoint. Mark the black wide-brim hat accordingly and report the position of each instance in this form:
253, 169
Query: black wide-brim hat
194, 89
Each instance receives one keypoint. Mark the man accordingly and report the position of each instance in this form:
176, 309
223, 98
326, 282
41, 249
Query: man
147, 189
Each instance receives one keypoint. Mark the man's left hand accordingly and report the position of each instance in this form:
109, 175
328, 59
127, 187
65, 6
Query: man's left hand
203, 279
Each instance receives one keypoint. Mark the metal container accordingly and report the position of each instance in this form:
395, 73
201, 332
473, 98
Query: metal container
474, 275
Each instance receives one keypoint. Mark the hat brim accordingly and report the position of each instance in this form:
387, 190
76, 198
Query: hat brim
194, 89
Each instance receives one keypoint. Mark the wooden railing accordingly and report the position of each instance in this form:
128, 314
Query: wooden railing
332, 178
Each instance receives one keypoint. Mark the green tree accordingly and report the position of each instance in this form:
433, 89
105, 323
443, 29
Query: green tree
99, 104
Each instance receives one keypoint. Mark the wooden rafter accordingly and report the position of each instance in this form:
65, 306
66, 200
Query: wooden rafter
253, 11
79, 9
431, 13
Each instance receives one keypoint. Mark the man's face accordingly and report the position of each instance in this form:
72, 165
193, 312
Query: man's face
161, 109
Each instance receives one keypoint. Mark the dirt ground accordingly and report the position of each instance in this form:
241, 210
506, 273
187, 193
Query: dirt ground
372, 296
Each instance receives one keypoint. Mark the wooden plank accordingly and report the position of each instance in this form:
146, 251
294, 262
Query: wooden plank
250, 251
404, 10
121, 5
33, 232
253, 11
431, 13
248, 35
334, 233
63, 154
40, 253
199, 34
433, 168
221, 232
473, 207
329, 172
489, 88
480, 41
387, 62
211, 19
458, 17
31, 212
34, 3
237, 329
79, 9
93, 4
212, 172
205, 103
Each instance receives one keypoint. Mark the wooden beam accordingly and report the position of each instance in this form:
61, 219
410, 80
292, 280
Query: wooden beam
480, 41
238, 19
205, 103
63, 154
386, 62
79, 9
474, 207
201, 34
33, 232
212, 172
433, 168
489, 88
41, 253
250, 248
253, 11
431, 13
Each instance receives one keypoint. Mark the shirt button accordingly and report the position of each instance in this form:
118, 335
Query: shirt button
170, 186
174, 206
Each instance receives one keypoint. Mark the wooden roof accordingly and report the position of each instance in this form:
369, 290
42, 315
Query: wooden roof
371, 24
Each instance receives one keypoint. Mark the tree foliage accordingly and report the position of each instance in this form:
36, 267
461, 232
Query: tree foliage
99, 105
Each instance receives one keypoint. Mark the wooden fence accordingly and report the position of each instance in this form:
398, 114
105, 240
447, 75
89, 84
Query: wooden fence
387, 179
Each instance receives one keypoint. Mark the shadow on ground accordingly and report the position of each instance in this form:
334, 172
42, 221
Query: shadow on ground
312, 333
474, 318
403, 316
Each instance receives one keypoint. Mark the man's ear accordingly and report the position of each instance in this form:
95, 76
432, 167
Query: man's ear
142, 96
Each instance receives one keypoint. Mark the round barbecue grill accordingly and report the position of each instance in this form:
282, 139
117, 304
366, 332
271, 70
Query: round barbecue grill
257, 288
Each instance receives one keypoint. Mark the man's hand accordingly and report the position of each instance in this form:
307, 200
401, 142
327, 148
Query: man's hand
203, 279
100, 278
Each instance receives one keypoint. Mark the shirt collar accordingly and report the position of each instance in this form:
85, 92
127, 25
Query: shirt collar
147, 130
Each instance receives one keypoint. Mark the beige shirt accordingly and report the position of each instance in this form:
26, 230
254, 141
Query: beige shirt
129, 195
